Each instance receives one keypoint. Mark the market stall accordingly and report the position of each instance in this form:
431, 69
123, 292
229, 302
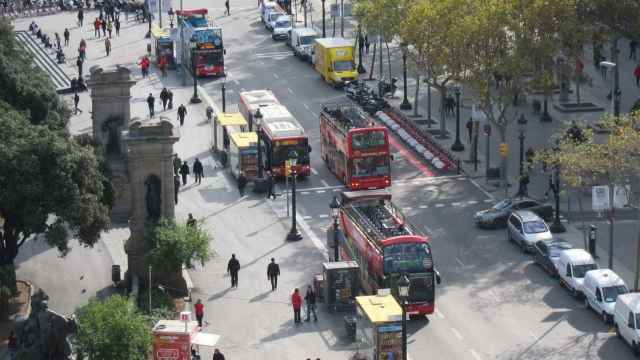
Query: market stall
174, 339
225, 124
243, 154
379, 328
341, 285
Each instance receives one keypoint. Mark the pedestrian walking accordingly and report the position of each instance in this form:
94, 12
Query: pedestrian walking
66, 36
296, 302
270, 183
191, 221
107, 46
82, 50
184, 171
550, 186
96, 28
170, 99
163, 66
522, 186
636, 72
110, 28
182, 111
310, 300
177, 162
58, 41
151, 102
80, 17
217, 355
198, 171
226, 5
273, 271
79, 63
144, 66
76, 100
360, 43
12, 345
103, 24
117, 26
233, 267
176, 187
164, 97
242, 183
366, 43
469, 127
199, 307
633, 46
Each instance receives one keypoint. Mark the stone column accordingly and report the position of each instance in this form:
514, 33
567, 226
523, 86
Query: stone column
111, 112
150, 154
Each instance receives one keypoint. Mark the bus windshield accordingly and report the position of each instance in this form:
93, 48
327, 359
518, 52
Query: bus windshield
281, 153
371, 166
367, 140
409, 258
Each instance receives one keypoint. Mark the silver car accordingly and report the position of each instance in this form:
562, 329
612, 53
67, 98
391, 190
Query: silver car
526, 228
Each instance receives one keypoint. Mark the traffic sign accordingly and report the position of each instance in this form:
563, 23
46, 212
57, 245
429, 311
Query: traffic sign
504, 150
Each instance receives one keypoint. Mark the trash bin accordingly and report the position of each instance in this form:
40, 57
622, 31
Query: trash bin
115, 274
350, 327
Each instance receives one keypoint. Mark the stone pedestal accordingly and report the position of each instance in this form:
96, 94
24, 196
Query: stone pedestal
110, 106
150, 167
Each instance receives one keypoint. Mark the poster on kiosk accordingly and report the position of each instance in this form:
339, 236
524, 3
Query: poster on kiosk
174, 339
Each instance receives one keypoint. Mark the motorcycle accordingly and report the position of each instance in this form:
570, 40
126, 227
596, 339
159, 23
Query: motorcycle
385, 88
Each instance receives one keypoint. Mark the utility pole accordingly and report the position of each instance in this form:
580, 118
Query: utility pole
160, 13
342, 18
182, 69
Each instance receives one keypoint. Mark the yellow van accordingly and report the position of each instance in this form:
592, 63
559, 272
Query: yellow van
334, 60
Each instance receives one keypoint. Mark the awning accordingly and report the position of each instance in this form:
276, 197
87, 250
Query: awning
204, 339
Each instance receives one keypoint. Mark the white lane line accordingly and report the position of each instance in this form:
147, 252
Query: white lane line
457, 333
323, 216
472, 202
314, 114
320, 191
326, 184
408, 208
423, 206
488, 201
439, 205
475, 354
488, 194
306, 106
314, 238
305, 193
460, 262
314, 171
290, 91
338, 187
306, 217
455, 204
276, 76
439, 314
338, 190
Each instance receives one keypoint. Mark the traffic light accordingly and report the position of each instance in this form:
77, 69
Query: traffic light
287, 168
504, 150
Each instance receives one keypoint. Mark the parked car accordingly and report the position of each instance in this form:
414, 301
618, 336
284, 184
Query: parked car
601, 288
525, 228
573, 265
281, 27
547, 252
497, 215
626, 319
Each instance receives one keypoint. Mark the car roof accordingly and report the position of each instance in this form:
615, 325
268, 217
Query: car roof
604, 277
305, 31
577, 256
283, 17
632, 300
555, 242
527, 215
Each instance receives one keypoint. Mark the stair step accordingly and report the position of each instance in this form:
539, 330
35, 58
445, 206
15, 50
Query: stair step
42, 58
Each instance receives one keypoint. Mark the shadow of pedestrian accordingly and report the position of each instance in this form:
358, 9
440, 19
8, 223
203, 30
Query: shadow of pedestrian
260, 297
219, 294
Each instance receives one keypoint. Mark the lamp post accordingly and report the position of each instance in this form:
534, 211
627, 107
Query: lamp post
148, 20
224, 98
403, 293
457, 145
294, 234
611, 65
405, 102
361, 69
522, 127
557, 226
324, 30
334, 207
194, 99
171, 17
258, 118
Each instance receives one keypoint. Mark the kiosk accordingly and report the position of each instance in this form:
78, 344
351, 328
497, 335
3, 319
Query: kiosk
225, 124
243, 154
341, 285
379, 320
162, 46
174, 339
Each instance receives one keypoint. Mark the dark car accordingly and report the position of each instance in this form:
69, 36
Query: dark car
547, 252
497, 215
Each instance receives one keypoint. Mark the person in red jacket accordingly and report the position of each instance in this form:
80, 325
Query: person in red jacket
199, 306
636, 72
296, 301
163, 65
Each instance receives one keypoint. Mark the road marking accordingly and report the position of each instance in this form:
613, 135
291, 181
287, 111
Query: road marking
305, 193
488, 194
457, 333
339, 187
323, 216
475, 354
314, 114
314, 171
320, 191
428, 229
455, 204
306, 106
276, 76
439, 314
290, 91
439, 205
326, 184
408, 208
306, 217
337, 190
423, 206
472, 202
273, 55
460, 262
488, 201
410, 157
314, 238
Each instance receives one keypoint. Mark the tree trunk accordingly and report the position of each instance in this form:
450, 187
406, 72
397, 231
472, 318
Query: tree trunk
578, 80
611, 224
443, 98
616, 74
373, 61
388, 59
584, 224
381, 61
416, 96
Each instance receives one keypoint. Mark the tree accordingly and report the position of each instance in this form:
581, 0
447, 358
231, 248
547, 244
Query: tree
613, 162
174, 245
113, 329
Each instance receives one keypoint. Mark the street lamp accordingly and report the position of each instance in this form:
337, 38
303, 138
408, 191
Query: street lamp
557, 226
403, 293
405, 102
258, 118
293, 234
457, 145
149, 21
193, 44
334, 206
361, 69
611, 65
522, 127
224, 98
171, 17
324, 32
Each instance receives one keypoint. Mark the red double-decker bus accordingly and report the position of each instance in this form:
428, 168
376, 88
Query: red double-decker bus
209, 51
386, 247
353, 148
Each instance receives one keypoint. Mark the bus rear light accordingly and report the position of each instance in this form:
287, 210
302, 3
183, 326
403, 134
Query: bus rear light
355, 185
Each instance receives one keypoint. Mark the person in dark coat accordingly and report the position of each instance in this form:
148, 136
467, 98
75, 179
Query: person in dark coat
117, 26
310, 299
191, 221
270, 193
469, 126
103, 24
242, 183
233, 267
151, 101
198, 171
273, 271
367, 44
164, 97
177, 162
184, 171
80, 17
170, 99
76, 100
217, 355
182, 111
66, 37
176, 185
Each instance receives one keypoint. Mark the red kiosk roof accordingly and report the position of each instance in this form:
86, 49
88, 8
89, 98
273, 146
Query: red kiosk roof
185, 13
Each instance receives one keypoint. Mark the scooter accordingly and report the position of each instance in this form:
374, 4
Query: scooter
385, 88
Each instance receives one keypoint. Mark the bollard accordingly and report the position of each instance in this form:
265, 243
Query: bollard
593, 231
458, 164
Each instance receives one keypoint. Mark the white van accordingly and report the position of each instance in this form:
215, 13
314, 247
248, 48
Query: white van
265, 7
573, 265
281, 27
626, 319
601, 289
271, 17
302, 42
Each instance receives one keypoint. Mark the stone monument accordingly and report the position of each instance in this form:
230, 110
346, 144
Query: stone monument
111, 113
150, 167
